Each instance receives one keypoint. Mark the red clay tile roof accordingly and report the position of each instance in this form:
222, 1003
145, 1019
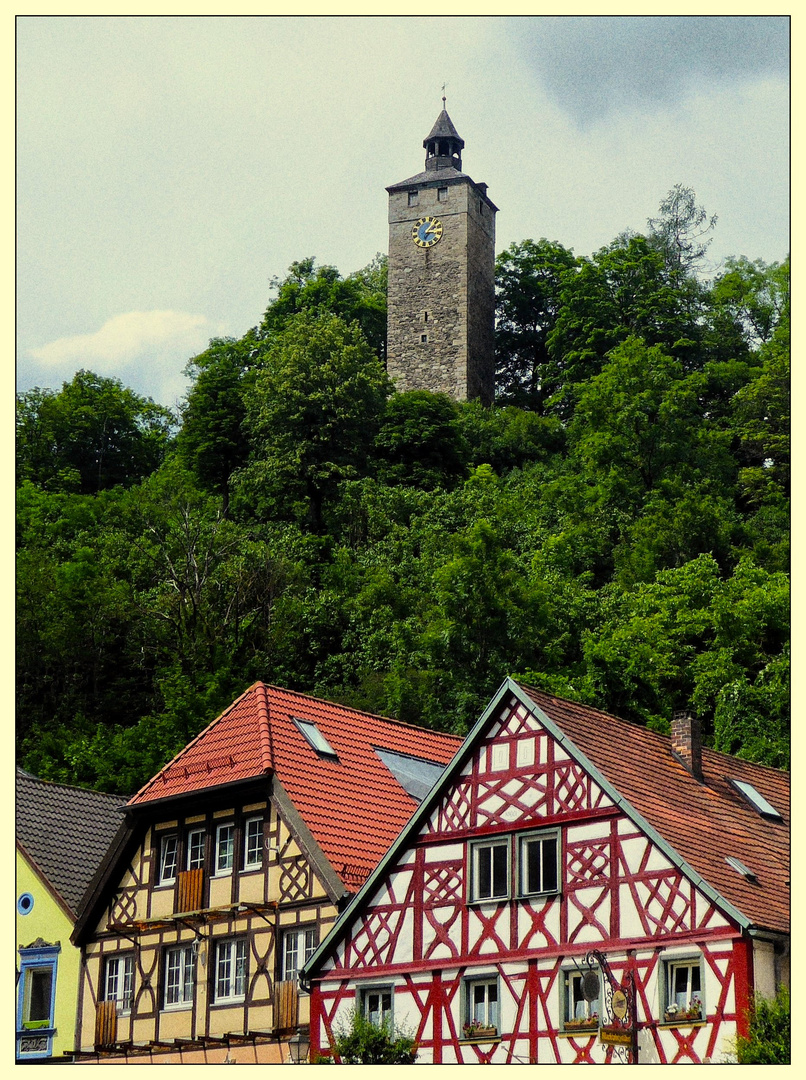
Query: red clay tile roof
703, 821
353, 806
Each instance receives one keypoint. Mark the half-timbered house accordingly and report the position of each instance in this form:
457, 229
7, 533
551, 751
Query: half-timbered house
575, 889
237, 858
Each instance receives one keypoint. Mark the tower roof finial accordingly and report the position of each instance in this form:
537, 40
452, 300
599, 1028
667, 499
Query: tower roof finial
443, 94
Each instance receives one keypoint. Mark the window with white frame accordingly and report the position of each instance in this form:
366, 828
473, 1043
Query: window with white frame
230, 970
299, 945
489, 869
168, 859
538, 863
224, 848
253, 843
684, 989
119, 981
179, 975
195, 849
577, 1010
481, 1005
376, 1005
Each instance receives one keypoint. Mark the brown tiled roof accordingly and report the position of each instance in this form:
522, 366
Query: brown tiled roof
703, 821
66, 831
352, 804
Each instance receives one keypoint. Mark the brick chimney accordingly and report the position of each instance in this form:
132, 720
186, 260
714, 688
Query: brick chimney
687, 741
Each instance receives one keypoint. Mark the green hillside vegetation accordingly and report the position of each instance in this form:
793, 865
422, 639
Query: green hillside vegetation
615, 529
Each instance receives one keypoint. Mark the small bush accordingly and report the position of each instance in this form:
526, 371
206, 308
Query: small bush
365, 1043
768, 1042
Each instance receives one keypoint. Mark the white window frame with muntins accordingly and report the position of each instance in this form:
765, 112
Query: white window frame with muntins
195, 855
683, 983
119, 981
489, 870
539, 876
482, 1002
299, 945
253, 843
179, 977
225, 848
230, 973
377, 1004
169, 859
575, 1006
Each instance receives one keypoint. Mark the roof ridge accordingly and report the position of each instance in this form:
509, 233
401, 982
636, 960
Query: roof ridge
21, 774
185, 749
362, 712
650, 731
264, 728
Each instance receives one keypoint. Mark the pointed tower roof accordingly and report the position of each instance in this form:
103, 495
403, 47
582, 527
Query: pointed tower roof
443, 129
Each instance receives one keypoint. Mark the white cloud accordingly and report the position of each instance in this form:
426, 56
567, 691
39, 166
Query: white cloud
146, 350
126, 337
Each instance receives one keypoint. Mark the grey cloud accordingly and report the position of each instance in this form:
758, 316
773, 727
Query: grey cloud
593, 66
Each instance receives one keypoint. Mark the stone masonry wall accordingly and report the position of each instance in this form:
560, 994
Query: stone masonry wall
434, 342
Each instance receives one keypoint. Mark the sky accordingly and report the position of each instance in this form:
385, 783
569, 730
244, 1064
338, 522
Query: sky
169, 168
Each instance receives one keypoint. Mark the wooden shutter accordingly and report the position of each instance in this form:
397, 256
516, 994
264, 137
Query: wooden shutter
106, 1023
286, 996
189, 890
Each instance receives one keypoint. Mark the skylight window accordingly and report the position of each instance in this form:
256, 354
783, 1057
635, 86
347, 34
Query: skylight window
415, 775
756, 799
315, 738
740, 868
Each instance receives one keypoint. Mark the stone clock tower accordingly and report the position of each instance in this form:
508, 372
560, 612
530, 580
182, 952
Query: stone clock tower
441, 303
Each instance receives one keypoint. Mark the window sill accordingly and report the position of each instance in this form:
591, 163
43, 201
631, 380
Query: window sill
179, 1006
682, 1022
227, 1003
583, 1029
482, 1036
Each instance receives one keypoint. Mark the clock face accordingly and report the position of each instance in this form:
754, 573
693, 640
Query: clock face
426, 232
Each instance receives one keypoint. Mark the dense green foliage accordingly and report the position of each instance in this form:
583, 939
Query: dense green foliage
615, 528
769, 1040
365, 1043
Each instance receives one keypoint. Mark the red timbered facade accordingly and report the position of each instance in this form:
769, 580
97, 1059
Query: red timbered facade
575, 890
238, 857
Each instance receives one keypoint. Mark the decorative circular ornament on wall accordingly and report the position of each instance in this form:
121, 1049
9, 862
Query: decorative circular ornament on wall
25, 903
426, 232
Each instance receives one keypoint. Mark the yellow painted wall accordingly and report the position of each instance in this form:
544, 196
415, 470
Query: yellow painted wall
48, 921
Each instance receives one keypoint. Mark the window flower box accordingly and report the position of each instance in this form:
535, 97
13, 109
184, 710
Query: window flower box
475, 1030
681, 1014
589, 1023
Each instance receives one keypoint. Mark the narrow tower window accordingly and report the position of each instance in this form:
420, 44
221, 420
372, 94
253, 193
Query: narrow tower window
442, 194
414, 198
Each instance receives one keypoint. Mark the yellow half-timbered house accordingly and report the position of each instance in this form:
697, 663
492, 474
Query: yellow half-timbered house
237, 859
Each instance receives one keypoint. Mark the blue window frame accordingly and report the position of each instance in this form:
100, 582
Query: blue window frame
36, 1001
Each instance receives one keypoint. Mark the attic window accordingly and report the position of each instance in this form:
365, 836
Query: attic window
315, 738
415, 775
756, 800
740, 868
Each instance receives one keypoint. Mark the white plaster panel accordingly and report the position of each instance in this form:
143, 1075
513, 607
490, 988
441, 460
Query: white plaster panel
435, 853
596, 830
526, 752
500, 757
631, 925
492, 804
